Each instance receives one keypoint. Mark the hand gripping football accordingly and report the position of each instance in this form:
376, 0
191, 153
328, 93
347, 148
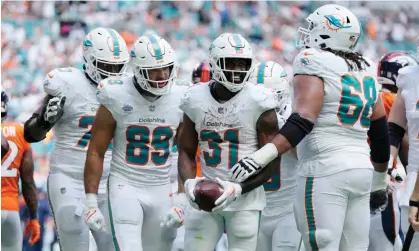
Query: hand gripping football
206, 193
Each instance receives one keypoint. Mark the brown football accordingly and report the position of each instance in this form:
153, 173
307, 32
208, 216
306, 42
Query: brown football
206, 193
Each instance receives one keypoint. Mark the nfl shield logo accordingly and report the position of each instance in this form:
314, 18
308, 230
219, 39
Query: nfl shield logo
220, 110
63, 190
152, 108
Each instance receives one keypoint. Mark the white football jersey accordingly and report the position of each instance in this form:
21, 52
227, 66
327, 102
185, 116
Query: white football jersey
342, 125
407, 81
72, 131
144, 132
227, 133
281, 188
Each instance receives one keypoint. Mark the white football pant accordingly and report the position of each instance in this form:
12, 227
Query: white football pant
278, 232
135, 213
11, 234
203, 230
333, 212
67, 201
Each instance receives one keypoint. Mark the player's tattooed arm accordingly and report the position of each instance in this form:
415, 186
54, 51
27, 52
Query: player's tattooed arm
4, 145
187, 146
102, 133
37, 127
28, 184
267, 129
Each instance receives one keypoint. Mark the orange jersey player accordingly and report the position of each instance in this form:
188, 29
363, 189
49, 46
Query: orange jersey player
387, 238
17, 163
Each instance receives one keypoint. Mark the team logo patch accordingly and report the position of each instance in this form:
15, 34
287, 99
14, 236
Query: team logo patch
220, 110
46, 83
305, 61
63, 190
132, 54
336, 22
127, 108
152, 108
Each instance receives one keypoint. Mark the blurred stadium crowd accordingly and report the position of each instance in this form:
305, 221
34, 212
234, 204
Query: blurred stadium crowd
39, 36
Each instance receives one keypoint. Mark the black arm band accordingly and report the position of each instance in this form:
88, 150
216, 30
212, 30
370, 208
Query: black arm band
396, 134
379, 140
414, 203
296, 128
33, 215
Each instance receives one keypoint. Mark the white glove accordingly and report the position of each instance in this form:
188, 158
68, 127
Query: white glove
243, 169
175, 217
232, 191
190, 185
93, 216
54, 109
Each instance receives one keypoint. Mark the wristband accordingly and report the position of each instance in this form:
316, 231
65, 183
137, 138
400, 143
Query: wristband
91, 200
33, 215
265, 155
414, 203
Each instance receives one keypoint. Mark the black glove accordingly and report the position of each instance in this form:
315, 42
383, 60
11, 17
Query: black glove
378, 201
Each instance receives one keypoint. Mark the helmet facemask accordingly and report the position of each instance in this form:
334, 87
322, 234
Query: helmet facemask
157, 80
304, 35
102, 69
231, 72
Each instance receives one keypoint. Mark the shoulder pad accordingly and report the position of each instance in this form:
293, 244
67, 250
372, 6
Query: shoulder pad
308, 62
112, 93
190, 100
59, 81
264, 98
407, 75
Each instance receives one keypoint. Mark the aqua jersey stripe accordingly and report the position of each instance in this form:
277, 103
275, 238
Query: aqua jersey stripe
156, 46
310, 214
238, 42
115, 241
261, 72
115, 42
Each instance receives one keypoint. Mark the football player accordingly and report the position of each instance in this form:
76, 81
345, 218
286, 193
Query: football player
278, 230
200, 74
16, 164
385, 225
228, 119
335, 107
405, 115
141, 113
70, 107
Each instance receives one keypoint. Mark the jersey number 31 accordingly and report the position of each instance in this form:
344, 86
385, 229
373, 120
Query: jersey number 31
352, 107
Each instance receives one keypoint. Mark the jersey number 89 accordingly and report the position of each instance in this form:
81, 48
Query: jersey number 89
351, 106
144, 145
